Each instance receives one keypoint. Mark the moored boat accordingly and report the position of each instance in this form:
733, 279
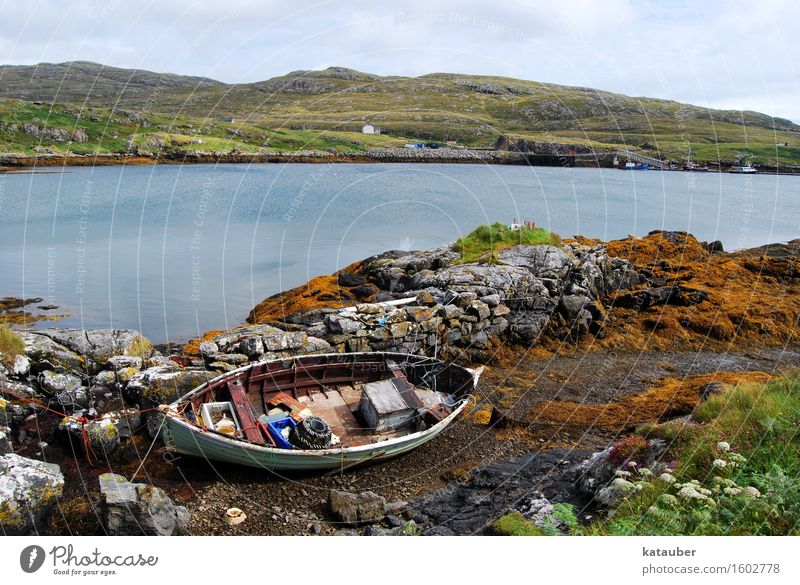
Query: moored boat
743, 169
317, 412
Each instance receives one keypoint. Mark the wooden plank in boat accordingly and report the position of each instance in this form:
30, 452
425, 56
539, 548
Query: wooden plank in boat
244, 410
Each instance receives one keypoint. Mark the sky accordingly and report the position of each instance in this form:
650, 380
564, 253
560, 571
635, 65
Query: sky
732, 55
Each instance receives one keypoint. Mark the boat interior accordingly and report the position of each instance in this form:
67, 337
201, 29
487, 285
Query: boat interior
360, 398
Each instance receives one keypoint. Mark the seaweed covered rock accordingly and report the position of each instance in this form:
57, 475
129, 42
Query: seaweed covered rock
130, 509
28, 489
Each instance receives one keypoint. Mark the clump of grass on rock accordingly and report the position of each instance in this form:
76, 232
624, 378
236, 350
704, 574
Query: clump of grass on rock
11, 345
486, 241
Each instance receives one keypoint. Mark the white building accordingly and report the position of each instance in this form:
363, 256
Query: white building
370, 129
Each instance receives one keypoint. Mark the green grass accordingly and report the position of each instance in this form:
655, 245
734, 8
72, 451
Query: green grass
753, 429
486, 241
326, 111
515, 524
11, 345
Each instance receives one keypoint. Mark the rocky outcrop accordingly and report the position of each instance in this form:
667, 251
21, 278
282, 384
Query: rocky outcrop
454, 308
527, 484
130, 509
28, 489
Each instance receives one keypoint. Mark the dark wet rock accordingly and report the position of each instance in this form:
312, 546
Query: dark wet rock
139, 509
597, 475
354, 509
711, 389
28, 489
660, 296
6, 446
364, 291
350, 279
472, 505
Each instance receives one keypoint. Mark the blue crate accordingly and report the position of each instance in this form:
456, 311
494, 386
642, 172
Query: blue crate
275, 427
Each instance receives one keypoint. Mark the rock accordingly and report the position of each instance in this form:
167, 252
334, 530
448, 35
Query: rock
711, 389
210, 348
418, 314
119, 362
350, 279
91, 347
714, 247
615, 491
343, 324
450, 312
6, 446
48, 354
226, 340
541, 261
136, 509
251, 347
105, 434
491, 300
106, 378
354, 509
479, 309
28, 489
56, 383
666, 295
163, 384
365, 291
21, 366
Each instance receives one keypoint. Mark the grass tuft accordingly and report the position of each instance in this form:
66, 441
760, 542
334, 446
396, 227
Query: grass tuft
486, 241
11, 345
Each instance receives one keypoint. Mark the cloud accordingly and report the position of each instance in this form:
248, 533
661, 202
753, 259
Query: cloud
715, 53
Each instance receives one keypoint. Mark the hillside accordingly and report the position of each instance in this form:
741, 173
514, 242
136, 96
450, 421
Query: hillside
107, 109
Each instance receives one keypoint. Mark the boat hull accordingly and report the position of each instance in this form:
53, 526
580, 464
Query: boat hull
182, 437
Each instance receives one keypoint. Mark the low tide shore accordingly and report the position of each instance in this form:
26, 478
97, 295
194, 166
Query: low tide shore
583, 344
13, 163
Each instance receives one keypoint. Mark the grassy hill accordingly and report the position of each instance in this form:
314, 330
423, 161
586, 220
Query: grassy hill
118, 109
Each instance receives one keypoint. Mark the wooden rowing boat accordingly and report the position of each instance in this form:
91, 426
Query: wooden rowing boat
318, 412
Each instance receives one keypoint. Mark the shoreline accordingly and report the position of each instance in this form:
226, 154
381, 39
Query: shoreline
13, 163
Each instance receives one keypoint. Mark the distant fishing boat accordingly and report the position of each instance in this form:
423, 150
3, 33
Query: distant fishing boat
632, 166
314, 412
694, 167
743, 169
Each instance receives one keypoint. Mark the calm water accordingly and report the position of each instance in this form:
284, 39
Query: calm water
174, 251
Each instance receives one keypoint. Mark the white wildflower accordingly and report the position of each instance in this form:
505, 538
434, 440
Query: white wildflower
723, 446
669, 500
751, 491
621, 473
667, 478
689, 492
733, 491
721, 463
644, 472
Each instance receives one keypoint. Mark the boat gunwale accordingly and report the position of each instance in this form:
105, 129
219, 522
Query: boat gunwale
172, 416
